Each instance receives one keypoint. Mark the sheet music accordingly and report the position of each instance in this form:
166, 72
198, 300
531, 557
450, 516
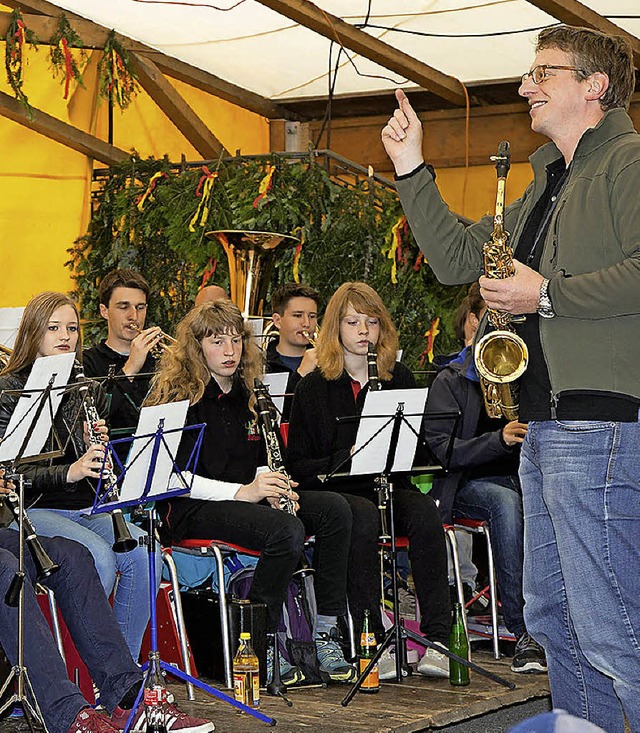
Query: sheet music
382, 406
44, 369
277, 385
141, 451
257, 327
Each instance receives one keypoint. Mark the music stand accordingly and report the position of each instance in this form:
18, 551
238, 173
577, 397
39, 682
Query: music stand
397, 460
152, 455
28, 429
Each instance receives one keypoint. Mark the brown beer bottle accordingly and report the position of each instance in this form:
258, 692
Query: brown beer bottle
368, 648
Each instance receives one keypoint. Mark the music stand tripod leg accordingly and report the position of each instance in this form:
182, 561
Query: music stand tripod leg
19, 671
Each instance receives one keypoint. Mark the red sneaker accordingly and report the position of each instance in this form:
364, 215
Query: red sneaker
177, 721
89, 720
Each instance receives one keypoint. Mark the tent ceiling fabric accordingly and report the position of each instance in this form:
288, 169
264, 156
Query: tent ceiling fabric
265, 52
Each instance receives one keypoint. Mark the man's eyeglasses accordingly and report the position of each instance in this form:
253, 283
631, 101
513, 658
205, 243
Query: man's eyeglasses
539, 73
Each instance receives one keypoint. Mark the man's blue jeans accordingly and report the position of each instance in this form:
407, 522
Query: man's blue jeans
581, 491
497, 500
131, 598
88, 616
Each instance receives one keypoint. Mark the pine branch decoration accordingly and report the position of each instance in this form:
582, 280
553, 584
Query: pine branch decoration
118, 79
63, 63
17, 35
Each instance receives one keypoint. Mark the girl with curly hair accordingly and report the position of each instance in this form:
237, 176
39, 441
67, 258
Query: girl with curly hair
213, 364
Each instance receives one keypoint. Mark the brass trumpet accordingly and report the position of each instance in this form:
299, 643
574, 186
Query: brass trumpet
165, 341
5, 353
312, 338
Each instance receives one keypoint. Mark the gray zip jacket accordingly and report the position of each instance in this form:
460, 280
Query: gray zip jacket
591, 255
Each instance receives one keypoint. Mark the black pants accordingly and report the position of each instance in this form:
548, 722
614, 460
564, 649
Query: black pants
280, 538
417, 517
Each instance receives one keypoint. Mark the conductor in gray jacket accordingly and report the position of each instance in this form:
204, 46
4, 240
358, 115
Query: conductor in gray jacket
576, 239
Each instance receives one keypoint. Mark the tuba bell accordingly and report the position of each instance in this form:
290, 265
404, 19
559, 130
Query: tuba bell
251, 257
500, 356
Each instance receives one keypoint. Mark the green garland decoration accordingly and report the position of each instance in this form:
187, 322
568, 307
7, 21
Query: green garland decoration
63, 63
118, 80
146, 221
17, 35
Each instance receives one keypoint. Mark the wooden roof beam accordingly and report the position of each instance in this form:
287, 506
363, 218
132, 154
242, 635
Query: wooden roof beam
44, 20
311, 16
177, 109
573, 12
61, 132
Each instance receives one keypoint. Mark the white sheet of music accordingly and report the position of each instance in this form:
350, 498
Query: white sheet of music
382, 406
59, 367
140, 453
277, 385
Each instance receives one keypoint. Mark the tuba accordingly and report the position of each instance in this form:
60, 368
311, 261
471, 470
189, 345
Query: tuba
251, 257
500, 356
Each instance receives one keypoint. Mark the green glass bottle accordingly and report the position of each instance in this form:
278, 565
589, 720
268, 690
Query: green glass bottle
458, 644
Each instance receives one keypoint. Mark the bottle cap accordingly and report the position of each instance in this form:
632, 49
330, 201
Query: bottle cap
245, 635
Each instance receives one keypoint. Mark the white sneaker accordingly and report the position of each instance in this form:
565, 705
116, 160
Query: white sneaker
387, 665
434, 664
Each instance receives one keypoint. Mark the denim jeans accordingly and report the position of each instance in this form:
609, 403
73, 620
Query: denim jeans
95, 532
581, 490
86, 612
497, 500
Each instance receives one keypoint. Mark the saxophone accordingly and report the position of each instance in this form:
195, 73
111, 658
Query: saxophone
500, 356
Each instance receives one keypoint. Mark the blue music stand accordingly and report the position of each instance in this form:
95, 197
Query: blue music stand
156, 442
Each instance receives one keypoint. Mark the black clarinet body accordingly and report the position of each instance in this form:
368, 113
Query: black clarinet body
43, 563
372, 368
269, 429
123, 541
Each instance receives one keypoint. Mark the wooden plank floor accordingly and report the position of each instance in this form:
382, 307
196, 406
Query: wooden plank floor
418, 704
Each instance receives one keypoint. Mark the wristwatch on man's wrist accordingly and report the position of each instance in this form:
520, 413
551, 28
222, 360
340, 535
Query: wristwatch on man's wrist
545, 309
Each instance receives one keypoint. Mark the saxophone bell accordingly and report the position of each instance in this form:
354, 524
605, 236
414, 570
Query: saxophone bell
500, 356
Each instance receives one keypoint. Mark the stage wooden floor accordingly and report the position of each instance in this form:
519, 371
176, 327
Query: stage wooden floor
418, 704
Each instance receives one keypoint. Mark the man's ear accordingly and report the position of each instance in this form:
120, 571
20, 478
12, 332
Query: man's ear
277, 319
598, 83
104, 311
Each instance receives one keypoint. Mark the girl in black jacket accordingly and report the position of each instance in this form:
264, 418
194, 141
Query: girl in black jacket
356, 316
213, 364
63, 489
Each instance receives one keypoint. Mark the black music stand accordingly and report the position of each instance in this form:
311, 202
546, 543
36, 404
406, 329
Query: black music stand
153, 450
22, 430
398, 634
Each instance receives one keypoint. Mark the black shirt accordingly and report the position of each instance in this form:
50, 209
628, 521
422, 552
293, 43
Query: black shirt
537, 401
125, 395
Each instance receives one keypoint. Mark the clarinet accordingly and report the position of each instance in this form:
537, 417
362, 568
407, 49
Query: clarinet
43, 563
123, 541
382, 488
372, 368
270, 435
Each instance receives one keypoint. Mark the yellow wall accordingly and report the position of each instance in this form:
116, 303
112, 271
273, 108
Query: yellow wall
45, 186
478, 197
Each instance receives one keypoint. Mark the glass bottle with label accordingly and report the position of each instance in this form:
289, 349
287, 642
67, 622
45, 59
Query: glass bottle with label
368, 648
246, 673
154, 697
